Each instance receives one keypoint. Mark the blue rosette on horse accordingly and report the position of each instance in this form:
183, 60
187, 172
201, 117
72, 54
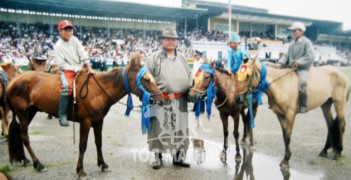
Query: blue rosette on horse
210, 92
145, 107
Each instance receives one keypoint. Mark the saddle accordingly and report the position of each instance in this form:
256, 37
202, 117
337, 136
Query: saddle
244, 73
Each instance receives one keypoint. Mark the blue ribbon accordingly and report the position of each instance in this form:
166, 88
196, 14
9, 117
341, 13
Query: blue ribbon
145, 110
211, 92
126, 87
257, 96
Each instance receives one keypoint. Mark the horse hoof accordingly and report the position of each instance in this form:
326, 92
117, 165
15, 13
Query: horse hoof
243, 142
106, 169
323, 154
238, 158
82, 175
337, 156
223, 157
85, 177
252, 147
40, 167
26, 162
284, 166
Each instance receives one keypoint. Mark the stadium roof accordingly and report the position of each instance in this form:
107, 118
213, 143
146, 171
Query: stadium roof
220, 8
104, 8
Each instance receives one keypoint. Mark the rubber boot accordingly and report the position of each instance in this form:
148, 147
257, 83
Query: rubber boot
303, 103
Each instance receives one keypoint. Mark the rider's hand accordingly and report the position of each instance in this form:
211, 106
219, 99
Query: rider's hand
295, 65
228, 70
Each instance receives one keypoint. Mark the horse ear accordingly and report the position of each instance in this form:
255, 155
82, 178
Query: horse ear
255, 58
212, 64
5, 65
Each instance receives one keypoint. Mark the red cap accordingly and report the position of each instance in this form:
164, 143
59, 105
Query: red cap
64, 23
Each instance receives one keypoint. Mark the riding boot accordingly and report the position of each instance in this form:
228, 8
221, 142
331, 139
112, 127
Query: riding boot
303, 103
158, 161
178, 160
63, 105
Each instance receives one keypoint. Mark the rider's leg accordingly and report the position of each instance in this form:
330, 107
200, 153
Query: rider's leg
303, 77
63, 100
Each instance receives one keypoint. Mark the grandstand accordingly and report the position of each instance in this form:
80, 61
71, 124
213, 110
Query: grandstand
112, 29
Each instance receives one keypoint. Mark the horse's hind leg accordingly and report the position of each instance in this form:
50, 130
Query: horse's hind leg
255, 107
326, 108
224, 118
25, 119
246, 126
83, 141
236, 135
98, 142
339, 127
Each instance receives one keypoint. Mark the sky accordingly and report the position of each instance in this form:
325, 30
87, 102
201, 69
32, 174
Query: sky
333, 10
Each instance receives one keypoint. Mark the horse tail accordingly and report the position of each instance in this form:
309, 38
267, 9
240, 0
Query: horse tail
15, 142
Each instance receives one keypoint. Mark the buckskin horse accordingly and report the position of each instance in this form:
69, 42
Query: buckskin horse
326, 86
34, 91
226, 103
11, 71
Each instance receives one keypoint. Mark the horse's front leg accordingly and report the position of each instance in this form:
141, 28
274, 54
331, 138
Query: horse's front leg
287, 124
252, 143
236, 135
224, 118
98, 142
83, 141
246, 126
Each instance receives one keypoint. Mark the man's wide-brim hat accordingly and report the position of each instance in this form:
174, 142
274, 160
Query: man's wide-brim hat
169, 33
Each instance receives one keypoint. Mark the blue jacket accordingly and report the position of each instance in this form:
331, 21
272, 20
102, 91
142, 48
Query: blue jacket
235, 58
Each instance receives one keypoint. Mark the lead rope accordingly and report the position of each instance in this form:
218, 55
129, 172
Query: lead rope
74, 104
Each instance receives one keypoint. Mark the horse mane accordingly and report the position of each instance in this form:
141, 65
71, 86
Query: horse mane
222, 70
113, 75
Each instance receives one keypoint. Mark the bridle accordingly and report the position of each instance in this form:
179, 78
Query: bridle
203, 93
138, 87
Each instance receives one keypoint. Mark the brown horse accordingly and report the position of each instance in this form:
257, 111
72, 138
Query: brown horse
326, 86
37, 91
11, 71
227, 104
43, 66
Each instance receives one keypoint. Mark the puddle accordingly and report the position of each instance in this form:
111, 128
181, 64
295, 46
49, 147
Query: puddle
253, 165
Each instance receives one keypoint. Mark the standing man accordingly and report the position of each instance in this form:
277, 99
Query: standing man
300, 56
70, 56
236, 55
169, 126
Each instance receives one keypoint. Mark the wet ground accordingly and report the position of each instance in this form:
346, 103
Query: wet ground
125, 150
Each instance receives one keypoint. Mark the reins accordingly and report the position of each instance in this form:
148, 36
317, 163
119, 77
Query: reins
86, 84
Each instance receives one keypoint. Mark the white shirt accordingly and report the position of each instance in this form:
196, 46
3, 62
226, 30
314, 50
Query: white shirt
70, 55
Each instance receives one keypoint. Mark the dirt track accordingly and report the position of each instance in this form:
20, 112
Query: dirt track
125, 150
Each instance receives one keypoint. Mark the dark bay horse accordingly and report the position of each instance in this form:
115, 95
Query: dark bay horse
11, 71
326, 86
37, 91
227, 104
